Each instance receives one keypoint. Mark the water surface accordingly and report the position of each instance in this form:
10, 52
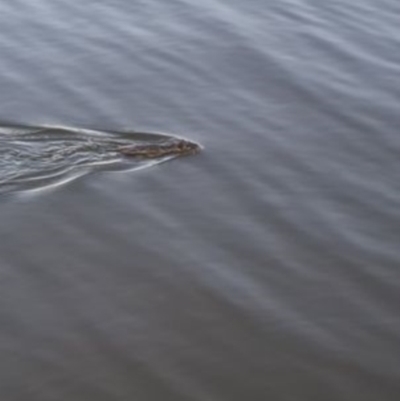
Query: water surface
266, 267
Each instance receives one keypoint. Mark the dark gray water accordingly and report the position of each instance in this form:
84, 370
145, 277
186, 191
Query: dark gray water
265, 268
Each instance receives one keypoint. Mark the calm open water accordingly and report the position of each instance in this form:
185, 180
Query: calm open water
265, 268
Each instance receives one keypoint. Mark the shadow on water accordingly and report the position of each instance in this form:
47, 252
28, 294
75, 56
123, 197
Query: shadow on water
36, 157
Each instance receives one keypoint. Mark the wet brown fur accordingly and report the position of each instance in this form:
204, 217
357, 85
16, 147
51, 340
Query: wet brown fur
170, 147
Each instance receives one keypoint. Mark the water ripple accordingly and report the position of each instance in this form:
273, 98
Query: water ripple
39, 157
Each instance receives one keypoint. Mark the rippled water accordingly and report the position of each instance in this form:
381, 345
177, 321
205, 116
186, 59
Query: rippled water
266, 267
35, 158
